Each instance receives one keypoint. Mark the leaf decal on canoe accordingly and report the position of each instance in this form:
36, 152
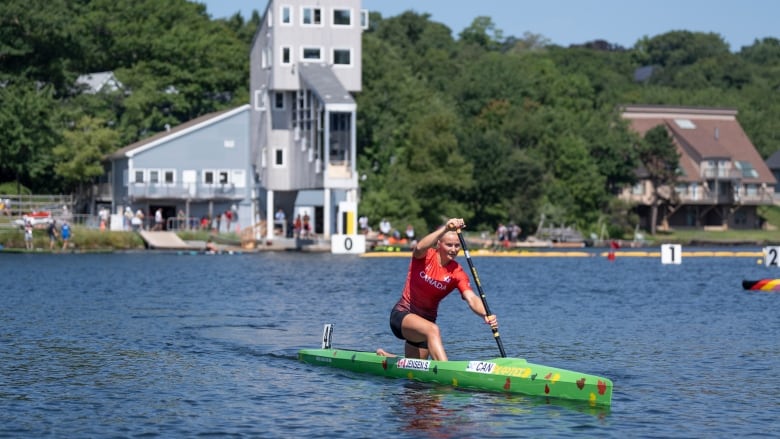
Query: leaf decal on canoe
384, 364
581, 383
435, 370
546, 389
602, 386
508, 384
353, 357
533, 377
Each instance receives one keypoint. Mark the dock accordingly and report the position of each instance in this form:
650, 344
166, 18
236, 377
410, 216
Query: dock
163, 240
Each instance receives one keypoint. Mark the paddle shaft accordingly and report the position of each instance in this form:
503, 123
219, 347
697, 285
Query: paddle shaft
481, 292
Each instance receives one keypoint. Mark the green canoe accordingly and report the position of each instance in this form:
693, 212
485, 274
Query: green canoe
505, 375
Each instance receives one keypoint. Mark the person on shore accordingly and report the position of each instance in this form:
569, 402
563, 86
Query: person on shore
410, 235
297, 226
128, 218
137, 221
385, 227
52, 231
181, 220
280, 222
306, 226
228, 219
433, 274
65, 233
158, 219
28, 233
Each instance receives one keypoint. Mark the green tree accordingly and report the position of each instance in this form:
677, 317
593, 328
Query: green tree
28, 124
39, 41
764, 52
435, 168
79, 157
508, 182
426, 48
675, 50
483, 33
661, 161
175, 62
391, 100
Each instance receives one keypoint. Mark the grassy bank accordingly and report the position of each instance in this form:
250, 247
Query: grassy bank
770, 236
727, 237
82, 238
93, 240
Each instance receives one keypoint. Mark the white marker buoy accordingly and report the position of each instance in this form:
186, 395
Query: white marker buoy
671, 254
772, 256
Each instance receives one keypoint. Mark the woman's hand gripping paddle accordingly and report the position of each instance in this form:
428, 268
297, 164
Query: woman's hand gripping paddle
479, 289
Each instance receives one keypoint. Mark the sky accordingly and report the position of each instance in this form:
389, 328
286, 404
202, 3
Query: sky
566, 22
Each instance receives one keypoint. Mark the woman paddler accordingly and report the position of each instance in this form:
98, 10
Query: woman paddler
433, 274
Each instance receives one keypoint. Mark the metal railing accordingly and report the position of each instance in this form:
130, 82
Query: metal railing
720, 174
18, 205
191, 191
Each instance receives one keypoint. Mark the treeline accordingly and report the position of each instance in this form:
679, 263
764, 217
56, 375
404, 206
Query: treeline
174, 61
490, 127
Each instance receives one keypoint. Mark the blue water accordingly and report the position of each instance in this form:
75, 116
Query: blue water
160, 345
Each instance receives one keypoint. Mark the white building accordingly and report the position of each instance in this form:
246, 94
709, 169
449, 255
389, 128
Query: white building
305, 65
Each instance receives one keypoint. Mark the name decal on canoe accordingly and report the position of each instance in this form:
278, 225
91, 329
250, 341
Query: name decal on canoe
480, 367
520, 372
413, 363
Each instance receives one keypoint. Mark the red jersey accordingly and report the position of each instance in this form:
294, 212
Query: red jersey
428, 283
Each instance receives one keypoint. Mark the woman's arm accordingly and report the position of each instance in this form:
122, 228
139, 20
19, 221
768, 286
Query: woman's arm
430, 240
476, 305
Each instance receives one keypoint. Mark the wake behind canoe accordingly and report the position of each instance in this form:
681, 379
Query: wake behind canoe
504, 375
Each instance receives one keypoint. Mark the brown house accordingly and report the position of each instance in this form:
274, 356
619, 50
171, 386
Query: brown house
722, 178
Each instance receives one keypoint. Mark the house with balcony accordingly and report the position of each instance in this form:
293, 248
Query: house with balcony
305, 65
199, 168
722, 179
773, 162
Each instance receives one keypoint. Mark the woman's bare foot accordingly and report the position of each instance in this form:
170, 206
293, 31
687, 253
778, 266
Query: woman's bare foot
383, 353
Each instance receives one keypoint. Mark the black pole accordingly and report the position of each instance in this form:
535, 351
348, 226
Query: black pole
481, 292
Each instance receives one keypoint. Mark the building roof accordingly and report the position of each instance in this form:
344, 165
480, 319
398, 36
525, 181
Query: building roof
774, 161
324, 83
177, 131
702, 134
96, 82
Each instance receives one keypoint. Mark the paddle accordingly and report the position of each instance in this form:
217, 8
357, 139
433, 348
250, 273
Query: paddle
481, 292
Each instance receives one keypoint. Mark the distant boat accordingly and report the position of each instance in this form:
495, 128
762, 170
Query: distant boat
558, 237
762, 285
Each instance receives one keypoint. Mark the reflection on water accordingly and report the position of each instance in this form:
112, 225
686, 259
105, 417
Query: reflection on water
423, 411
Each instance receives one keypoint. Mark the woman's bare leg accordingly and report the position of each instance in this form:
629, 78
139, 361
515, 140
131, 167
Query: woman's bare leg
417, 329
411, 351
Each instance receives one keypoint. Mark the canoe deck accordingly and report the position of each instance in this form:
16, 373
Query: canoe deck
504, 375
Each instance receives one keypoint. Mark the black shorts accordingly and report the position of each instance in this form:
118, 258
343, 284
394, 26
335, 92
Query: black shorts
396, 317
